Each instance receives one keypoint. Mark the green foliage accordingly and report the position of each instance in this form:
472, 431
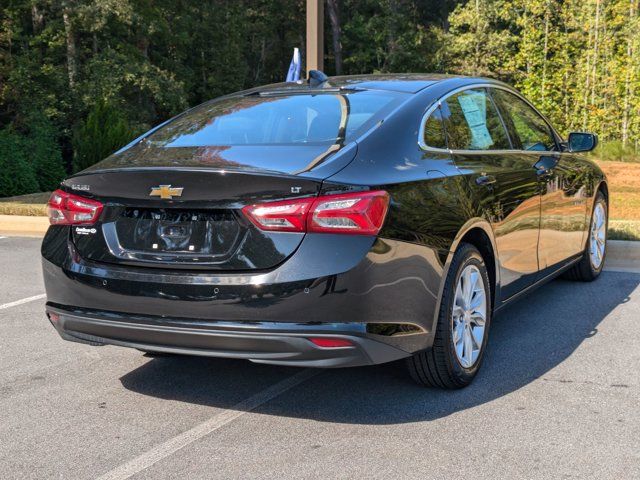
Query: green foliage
482, 38
624, 230
392, 36
577, 60
43, 151
104, 131
616, 151
16, 173
30, 161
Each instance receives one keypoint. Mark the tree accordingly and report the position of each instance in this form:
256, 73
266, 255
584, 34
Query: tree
44, 152
16, 174
104, 131
334, 17
481, 39
577, 60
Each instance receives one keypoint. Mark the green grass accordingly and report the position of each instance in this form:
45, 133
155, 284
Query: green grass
614, 151
32, 205
624, 230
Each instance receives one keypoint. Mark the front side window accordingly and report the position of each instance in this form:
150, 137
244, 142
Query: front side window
472, 122
294, 119
530, 128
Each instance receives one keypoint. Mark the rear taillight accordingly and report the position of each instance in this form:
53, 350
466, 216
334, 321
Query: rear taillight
356, 213
286, 216
68, 209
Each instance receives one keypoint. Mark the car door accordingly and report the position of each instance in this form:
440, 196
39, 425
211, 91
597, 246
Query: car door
561, 177
502, 181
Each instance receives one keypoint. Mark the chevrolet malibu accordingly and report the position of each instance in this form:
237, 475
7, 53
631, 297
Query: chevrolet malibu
338, 222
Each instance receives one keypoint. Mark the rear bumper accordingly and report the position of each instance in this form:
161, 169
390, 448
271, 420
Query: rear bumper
371, 291
266, 342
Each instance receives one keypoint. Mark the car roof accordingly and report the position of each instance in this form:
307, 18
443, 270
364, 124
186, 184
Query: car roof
398, 82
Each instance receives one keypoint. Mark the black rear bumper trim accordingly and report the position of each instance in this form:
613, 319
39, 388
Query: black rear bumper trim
263, 342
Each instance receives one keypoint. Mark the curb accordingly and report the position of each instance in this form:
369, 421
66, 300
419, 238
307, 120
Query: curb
622, 255
23, 226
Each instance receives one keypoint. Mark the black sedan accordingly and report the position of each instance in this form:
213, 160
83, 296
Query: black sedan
336, 222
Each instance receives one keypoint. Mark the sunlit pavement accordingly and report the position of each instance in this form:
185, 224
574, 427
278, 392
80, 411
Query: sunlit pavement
558, 397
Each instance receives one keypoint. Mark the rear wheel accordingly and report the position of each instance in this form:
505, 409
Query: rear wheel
462, 328
590, 266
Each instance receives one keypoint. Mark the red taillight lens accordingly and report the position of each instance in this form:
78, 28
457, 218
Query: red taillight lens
331, 342
357, 213
285, 216
68, 209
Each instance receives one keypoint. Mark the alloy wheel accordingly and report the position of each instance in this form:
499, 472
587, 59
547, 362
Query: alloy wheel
469, 315
597, 243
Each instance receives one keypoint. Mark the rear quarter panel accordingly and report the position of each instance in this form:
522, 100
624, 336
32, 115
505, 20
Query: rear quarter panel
431, 203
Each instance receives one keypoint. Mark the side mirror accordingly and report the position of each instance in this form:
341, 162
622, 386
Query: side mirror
582, 142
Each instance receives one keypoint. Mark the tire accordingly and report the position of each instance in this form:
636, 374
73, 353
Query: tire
444, 366
588, 268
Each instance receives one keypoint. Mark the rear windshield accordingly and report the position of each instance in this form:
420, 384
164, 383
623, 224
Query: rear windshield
278, 119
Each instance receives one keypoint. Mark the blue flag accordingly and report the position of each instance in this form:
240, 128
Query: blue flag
293, 75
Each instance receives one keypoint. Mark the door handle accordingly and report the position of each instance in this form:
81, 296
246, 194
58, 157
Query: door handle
485, 180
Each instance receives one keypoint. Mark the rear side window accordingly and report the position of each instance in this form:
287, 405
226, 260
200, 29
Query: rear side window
321, 118
433, 134
530, 129
472, 122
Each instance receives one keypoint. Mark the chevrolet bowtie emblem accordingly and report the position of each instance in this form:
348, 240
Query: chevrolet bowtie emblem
166, 192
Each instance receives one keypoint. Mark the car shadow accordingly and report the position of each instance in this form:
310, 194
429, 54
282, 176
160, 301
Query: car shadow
528, 339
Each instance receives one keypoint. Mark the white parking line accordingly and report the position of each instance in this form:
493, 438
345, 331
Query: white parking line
1, 237
24, 300
174, 444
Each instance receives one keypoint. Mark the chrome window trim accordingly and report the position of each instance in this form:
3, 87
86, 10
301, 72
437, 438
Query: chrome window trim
437, 103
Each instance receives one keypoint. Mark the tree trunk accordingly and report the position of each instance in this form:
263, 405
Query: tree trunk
587, 78
261, 60
37, 19
72, 68
627, 77
596, 54
334, 17
477, 40
143, 45
389, 60
445, 10
547, 14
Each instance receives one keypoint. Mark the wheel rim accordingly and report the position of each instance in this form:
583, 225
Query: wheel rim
469, 316
597, 241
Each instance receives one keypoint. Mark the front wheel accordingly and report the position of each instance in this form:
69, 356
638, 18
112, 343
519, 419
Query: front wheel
463, 325
590, 266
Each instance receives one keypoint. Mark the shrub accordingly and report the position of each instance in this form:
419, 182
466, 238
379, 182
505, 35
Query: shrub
17, 175
44, 152
615, 151
104, 131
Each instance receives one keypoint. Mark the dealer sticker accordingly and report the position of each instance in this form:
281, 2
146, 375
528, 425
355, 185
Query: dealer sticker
85, 231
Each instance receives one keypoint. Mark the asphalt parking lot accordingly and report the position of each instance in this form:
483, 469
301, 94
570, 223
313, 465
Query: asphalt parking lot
558, 397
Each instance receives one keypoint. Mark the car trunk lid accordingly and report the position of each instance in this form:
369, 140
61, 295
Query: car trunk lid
186, 217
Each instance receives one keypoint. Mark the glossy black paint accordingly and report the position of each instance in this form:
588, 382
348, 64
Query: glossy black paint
526, 211
225, 192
